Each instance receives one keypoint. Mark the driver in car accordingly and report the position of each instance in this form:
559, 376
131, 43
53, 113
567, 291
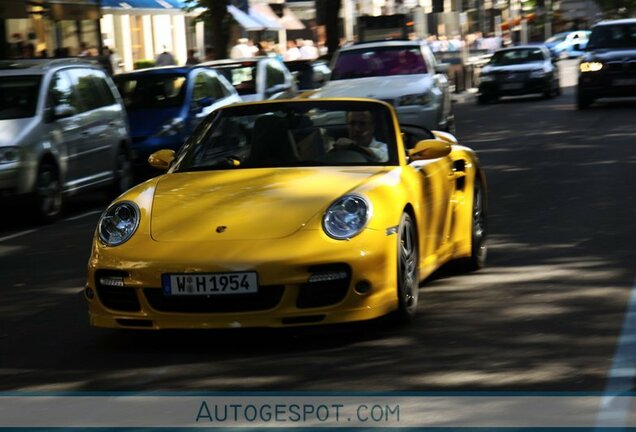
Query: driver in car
361, 127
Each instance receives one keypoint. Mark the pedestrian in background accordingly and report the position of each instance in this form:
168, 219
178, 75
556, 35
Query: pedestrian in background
165, 58
192, 58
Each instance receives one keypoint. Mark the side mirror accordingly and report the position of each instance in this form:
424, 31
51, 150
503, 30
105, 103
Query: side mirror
204, 102
445, 136
161, 159
429, 149
442, 68
62, 111
579, 47
199, 104
278, 88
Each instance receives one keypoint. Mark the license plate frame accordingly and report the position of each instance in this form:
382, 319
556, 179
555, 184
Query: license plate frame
209, 284
511, 86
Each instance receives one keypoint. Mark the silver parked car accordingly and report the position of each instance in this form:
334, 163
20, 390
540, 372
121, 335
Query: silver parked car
257, 78
403, 73
63, 130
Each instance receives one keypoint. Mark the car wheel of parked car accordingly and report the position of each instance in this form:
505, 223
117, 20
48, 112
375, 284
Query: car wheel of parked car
47, 198
407, 270
123, 172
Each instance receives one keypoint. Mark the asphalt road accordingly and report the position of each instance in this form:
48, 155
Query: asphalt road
546, 313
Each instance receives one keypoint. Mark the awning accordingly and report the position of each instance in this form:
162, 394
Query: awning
264, 13
246, 21
142, 4
265, 16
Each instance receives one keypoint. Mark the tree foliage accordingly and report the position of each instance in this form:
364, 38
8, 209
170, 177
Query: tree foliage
217, 21
617, 8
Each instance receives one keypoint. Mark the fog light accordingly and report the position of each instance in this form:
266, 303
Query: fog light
89, 293
327, 276
113, 281
363, 287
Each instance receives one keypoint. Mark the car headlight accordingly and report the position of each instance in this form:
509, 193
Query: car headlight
415, 99
487, 78
590, 66
346, 217
540, 73
8, 155
118, 223
172, 128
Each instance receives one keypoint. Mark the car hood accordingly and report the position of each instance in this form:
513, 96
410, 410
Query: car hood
377, 87
12, 131
250, 204
146, 122
525, 67
614, 54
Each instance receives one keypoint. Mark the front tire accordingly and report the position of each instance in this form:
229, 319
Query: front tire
479, 249
47, 196
407, 270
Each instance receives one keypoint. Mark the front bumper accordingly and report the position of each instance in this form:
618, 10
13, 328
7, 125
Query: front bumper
283, 267
16, 179
515, 88
597, 85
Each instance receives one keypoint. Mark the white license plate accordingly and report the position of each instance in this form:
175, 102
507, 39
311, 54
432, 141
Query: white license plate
210, 283
512, 86
624, 82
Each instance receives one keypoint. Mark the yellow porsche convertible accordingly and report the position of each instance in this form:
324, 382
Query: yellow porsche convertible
286, 213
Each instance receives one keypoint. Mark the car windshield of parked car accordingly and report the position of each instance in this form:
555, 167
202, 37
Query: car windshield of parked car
560, 37
152, 91
518, 56
241, 75
613, 36
18, 96
379, 61
289, 134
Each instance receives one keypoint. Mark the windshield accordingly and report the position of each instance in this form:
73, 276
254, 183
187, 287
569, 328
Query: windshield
374, 62
241, 75
613, 36
556, 38
18, 96
292, 134
517, 56
152, 91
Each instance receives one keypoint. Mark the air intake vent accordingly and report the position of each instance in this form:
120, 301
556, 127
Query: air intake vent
119, 298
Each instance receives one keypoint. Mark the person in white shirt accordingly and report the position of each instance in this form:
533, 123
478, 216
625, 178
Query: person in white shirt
361, 128
292, 53
308, 51
241, 49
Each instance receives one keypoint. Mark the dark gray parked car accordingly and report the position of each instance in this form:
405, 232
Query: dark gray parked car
63, 130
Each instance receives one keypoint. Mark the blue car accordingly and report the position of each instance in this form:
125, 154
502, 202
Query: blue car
568, 44
165, 104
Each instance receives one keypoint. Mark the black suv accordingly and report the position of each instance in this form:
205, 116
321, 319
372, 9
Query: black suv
608, 68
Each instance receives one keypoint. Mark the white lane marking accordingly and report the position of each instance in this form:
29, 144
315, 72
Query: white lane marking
83, 215
23, 233
615, 410
18, 234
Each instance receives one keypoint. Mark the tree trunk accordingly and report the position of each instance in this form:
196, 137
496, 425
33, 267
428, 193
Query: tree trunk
332, 24
218, 18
